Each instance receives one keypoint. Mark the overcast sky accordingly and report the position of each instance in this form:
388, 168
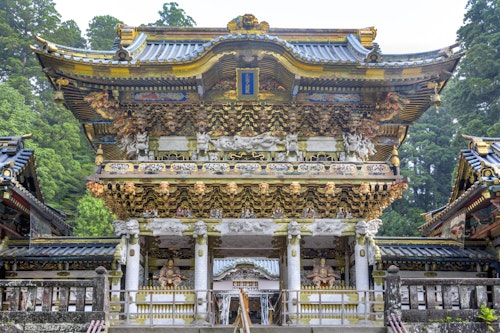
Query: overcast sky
403, 26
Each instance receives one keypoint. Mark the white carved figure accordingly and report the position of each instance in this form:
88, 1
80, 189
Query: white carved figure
142, 146
202, 140
200, 229
127, 228
212, 157
280, 157
358, 148
238, 226
247, 213
361, 228
335, 228
166, 227
263, 141
292, 144
127, 145
373, 226
293, 229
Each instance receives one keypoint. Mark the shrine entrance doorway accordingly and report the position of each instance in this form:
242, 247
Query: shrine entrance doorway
257, 277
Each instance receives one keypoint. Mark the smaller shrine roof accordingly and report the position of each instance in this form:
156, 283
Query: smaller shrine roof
269, 266
431, 249
50, 249
478, 171
19, 178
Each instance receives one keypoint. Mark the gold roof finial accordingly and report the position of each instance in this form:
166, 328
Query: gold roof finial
247, 24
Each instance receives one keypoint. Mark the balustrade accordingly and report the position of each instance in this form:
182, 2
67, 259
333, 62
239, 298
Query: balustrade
70, 304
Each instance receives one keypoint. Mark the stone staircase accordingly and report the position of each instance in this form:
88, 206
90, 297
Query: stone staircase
254, 329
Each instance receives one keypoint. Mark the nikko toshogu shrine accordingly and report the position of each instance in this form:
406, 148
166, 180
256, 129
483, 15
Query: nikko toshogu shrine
248, 167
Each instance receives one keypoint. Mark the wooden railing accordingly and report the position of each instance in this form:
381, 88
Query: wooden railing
69, 304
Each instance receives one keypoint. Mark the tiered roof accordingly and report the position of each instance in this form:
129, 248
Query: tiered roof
299, 67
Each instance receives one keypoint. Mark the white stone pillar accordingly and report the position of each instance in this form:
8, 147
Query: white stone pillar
132, 271
293, 264
130, 229
201, 270
361, 263
133, 263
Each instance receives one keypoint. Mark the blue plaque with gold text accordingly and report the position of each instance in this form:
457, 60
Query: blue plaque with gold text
247, 83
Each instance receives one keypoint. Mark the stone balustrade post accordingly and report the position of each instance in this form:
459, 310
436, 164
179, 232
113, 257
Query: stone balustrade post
392, 296
100, 296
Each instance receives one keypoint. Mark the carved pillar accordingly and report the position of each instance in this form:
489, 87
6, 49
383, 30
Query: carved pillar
115, 278
100, 297
201, 270
375, 260
130, 229
361, 262
392, 294
293, 264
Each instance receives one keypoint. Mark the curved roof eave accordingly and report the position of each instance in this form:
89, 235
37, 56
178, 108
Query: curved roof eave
352, 52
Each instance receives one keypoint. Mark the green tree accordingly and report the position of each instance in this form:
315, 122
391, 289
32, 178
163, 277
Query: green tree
93, 218
64, 156
12, 109
68, 33
474, 94
20, 21
173, 16
101, 32
401, 221
427, 162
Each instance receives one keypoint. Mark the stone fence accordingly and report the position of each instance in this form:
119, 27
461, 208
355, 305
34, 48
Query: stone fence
54, 306
428, 301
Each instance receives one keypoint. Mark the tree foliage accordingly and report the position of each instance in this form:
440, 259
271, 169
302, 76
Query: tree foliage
475, 93
102, 32
64, 156
12, 109
93, 218
173, 16
68, 33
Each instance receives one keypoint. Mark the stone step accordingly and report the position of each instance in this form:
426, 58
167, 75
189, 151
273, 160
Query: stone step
254, 329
